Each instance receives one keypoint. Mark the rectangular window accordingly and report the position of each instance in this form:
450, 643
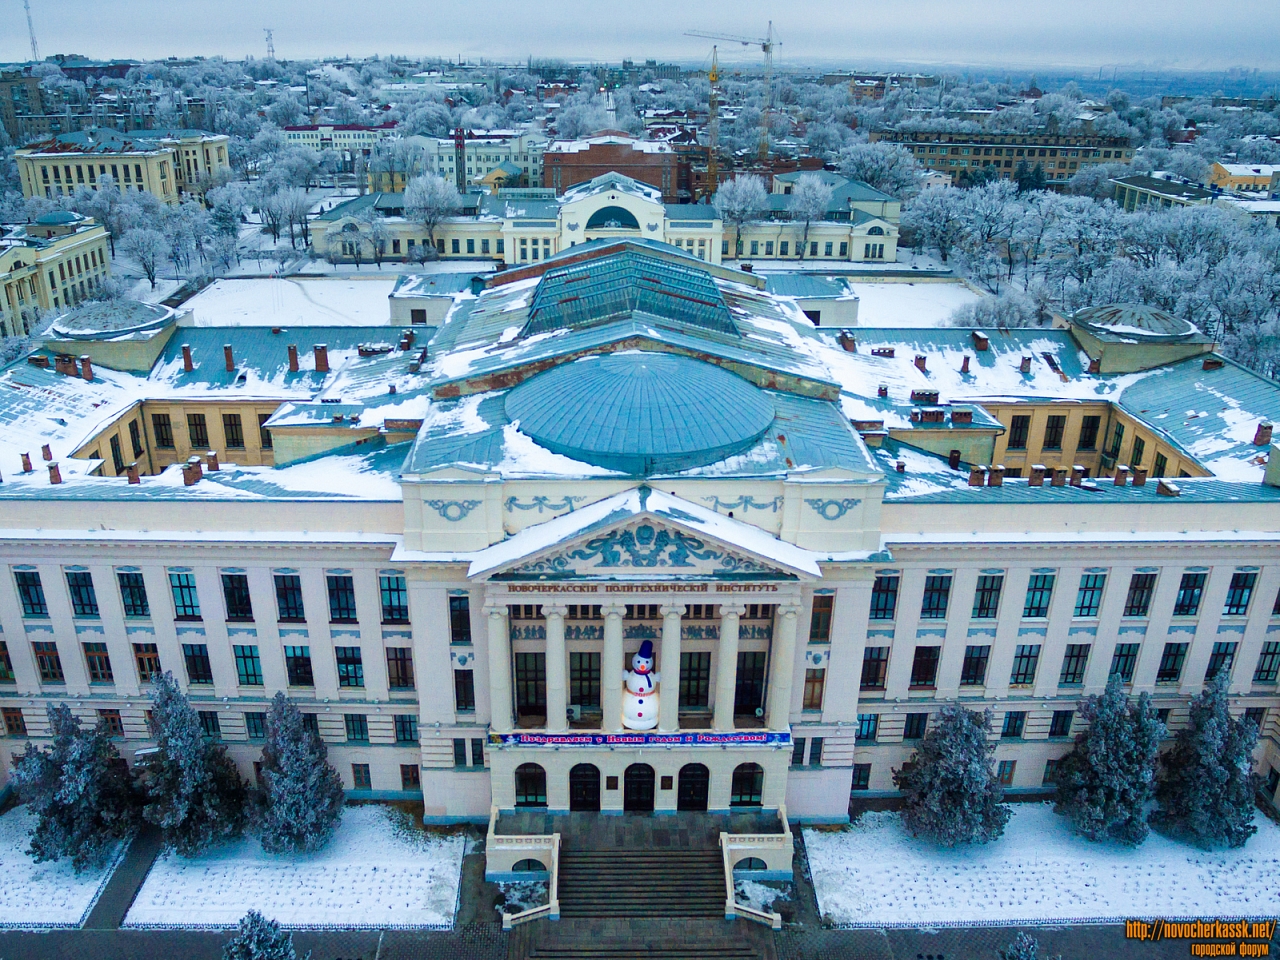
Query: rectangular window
15, 725
255, 724
410, 775
84, 602
1054, 427
1018, 432
820, 619
986, 598
477, 752
459, 753
209, 724
875, 665
1161, 466
297, 661
868, 724
350, 666
471, 245
1025, 659
360, 778
135, 439
695, 680
186, 603
235, 591
395, 598
1256, 715
1089, 433
31, 593
1190, 591
248, 665
973, 673
815, 681
1060, 725
815, 752
1123, 661
342, 599
406, 725
264, 435
459, 619
784, 248
915, 726
1089, 596
531, 684
163, 430
924, 667
111, 720
6, 664
1239, 594
1039, 593
797, 751
357, 727
400, 668
1268, 668
147, 657
1138, 600
584, 679
233, 431
937, 590
98, 662
464, 691
197, 430
1221, 659
196, 656
1050, 771
884, 598
1004, 772
1135, 455
133, 594
1171, 662
1117, 439
289, 598
1014, 723
117, 456
861, 777
1074, 662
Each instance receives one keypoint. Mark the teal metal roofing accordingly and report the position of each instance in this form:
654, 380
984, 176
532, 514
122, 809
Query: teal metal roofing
641, 413
615, 286
805, 285
691, 211
432, 284
519, 208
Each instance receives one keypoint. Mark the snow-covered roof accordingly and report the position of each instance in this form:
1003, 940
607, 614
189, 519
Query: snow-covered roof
609, 139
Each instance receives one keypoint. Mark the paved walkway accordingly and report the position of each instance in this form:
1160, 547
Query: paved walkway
115, 901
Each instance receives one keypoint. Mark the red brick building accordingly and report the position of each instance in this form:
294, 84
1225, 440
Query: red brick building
569, 162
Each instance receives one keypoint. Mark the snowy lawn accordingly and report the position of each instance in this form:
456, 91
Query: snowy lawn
42, 894
274, 302
910, 304
875, 874
374, 873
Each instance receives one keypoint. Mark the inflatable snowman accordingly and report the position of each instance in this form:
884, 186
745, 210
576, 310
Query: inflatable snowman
640, 693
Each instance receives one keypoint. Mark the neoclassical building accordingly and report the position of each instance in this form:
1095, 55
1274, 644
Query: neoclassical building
449, 544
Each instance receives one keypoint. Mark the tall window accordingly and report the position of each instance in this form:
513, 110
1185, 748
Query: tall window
1190, 590
147, 657
196, 656
1239, 593
289, 598
1135, 455
98, 662
1220, 659
198, 430
937, 589
1039, 593
1060, 725
820, 619
875, 664
1089, 596
1014, 723
973, 673
1074, 662
1123, 661
135, 438
1268, 663
1004, 772
1054, 427
235, 591
695, 680
884, 598
915, 726
31, 593
163, 430
48, 661
209, 724
861, 777
233, 431
1025, 659
924, 667
84, 601
350, 666
531, 785
815, 681
357, 727
6, 664
986, 598
1018, 432
395, 598
406, 725
531, 684
361, 778
459, 619
255, 725
186, 604
747, 786
342, 599
1161, 465
1137, 601
400, 668
464, 691
133, 594
1171, 663
248, 665
1089, 433
868, 724
297, 661
264, 435
584, 679
1117, 439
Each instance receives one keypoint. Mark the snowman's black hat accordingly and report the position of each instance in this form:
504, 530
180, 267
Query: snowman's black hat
646, 650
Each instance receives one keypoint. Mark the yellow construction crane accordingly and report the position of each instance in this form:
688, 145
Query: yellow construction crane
766, 45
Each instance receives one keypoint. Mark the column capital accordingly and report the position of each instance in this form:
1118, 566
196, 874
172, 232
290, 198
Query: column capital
789, 609
495, 608
673, 609
613, 609
733, 608
554, 609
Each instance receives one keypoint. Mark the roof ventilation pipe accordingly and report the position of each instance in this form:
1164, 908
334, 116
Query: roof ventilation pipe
230, 357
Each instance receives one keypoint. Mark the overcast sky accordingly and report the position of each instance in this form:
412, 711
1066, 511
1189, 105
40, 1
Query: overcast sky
1019, 34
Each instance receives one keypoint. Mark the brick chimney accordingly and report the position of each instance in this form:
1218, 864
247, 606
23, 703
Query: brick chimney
1025, 366
55, 475
231, 360
86, 367
1037, 475
953, 459
1077, 475
211, 459
26, 463
322, 358
996, 477
187, 365
848, 341
1122, 476
1262, 437
1059, 477
46, 452
293, 358
977, 476
964, 364
980, 341
1139, 476
191, 471
132, 473
882, 391
1095, 366
921, 363
901, 466
1165, 488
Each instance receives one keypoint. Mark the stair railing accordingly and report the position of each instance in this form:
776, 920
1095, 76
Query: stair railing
775, 849
503, 851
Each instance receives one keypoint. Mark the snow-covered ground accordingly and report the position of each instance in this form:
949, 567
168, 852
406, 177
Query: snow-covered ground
521, 895
901, 304
374, 873
272, 302
39, 895
876, 874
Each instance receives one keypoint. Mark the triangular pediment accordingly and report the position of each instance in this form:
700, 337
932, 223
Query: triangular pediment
643, 534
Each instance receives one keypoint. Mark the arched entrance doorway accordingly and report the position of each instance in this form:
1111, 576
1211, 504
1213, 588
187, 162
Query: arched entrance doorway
692, 791
637, 795
584, 788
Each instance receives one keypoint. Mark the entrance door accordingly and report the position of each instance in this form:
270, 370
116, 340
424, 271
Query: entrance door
692, 793
749, 693
584, 788
638, 788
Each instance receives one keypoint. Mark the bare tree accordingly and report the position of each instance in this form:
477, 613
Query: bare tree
148, 248
809, 202
295, 205
740, 201
379, 234
430, 200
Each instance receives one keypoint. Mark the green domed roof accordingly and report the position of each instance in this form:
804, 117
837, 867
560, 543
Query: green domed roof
641, 413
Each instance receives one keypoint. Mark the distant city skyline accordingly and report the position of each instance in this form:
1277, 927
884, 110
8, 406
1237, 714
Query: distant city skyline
1019, 36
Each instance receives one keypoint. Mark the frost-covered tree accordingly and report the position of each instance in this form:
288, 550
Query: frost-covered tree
809, 201
934, 219
952, 794
1106, 781
430, 200
886, 166
192, 789
258, 938
1025, 947
741, 200
300, 794
79, 790
148, 248
1207, 785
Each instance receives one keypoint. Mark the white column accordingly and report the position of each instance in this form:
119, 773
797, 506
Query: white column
499, 668
727, 665
557, 669
782, 667
611, 669
669, 667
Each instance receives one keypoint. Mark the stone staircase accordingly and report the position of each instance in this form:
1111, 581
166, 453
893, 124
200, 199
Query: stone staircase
658, 884
636, 939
